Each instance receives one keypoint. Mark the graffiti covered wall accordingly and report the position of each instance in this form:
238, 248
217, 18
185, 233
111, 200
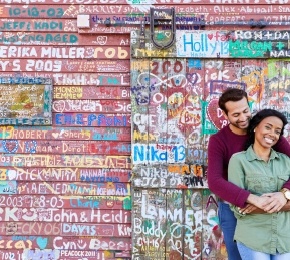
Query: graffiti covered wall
64, 188
66, 184
174, 95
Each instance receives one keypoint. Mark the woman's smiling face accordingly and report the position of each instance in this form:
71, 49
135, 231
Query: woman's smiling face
268, 131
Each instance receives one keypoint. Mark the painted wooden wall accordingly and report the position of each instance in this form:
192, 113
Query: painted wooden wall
74, 188
66, 191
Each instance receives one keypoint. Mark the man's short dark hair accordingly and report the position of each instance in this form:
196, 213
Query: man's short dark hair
231, 94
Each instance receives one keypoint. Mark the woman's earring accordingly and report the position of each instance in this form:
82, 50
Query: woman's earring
254, 130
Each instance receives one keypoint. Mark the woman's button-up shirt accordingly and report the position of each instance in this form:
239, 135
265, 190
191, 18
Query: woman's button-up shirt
266, 233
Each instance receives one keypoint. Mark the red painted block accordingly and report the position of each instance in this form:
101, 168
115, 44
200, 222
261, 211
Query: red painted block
74, 188
89, 175
52, 160
44, 174
91, 119
79, 79
65, 147
64, 254
99, 106
64, 243
65, 215
65, 202
85, 46
73, 133
64, 229
91, 92
53, 64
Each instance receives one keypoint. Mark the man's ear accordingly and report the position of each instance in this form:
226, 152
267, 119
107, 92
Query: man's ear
225, 115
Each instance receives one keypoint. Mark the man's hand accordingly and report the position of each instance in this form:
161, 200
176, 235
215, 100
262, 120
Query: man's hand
251, 209
276, 202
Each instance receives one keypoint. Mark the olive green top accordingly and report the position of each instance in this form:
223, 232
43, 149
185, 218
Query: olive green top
268, 233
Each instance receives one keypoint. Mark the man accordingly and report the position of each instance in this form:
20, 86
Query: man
229, 140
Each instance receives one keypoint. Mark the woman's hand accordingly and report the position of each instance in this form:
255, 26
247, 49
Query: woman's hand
277, 201
259, 201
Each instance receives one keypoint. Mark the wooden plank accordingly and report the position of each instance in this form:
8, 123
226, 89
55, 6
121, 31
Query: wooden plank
71, 52
65, 215
64, 229
194, 112
74, 133
85, 44
63, 243
92, 92
159, 83
119, 53
99, 29
246, 20
67, 9
191, 14
68, 188
52, 160
90, 119
140, 98
100, 105
149, 231
56, 65
36, 11
53, 25
64, 174
212, 20
124, 23
179, 110
140, 4
39, 38
95, 79
64, 254
178, 230
65, 147
212, 237
65, 202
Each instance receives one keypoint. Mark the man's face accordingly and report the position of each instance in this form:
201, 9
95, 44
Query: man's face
239, 114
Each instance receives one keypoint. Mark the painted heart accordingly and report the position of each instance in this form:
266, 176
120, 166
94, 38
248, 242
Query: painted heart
192, 78
215, 114
168, 34
207, 251
210, 36
58, 106
55, 135
102, 40
10, 146
42, 242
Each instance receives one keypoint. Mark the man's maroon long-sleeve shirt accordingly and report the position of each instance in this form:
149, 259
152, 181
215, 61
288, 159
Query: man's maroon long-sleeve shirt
221, 147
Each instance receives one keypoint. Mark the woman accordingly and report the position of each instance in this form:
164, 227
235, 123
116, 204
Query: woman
261, 170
